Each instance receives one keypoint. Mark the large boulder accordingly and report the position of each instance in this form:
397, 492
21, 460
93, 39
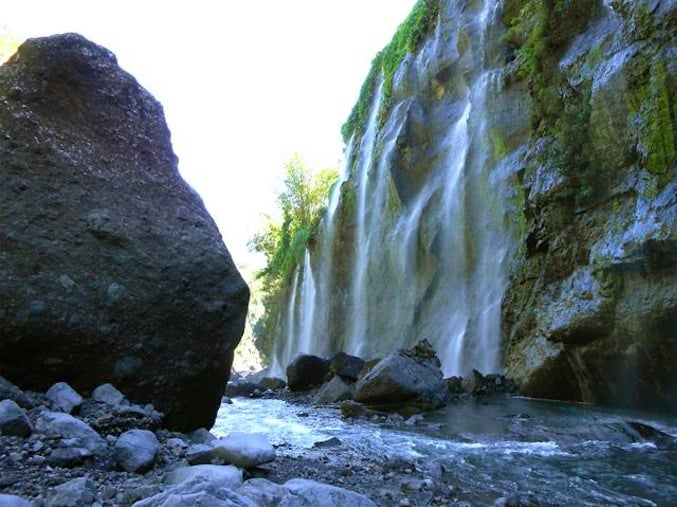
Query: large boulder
404, 377
346, 366
305, 372
111, 269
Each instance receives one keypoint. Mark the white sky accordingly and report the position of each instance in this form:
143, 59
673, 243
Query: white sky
244, 84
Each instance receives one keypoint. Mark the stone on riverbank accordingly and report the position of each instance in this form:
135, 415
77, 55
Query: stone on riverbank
13, 420
221, 475
14, 501
108, 394
136, 450
245, 450
63, 397
79, 492
9, 391
76, 432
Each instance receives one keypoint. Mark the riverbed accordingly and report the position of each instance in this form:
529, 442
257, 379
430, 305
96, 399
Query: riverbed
475, 451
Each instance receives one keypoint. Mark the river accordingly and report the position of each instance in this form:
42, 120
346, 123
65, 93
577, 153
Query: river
563, 454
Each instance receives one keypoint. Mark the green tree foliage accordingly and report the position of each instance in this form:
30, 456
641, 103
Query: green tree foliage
302, 205
408, 37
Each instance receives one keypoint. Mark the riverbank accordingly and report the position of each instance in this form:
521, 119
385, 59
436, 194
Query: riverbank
498, 450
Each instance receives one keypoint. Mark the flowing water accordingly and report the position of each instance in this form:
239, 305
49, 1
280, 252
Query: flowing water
564, 454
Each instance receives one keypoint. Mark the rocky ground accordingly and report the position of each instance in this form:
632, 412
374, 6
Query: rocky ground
60, 449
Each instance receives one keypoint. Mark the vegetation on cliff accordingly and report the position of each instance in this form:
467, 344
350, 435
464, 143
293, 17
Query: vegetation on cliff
407, 39
302, 204
282, 240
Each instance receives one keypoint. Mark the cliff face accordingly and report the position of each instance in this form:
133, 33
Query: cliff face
591, 309
509, 195
111, 269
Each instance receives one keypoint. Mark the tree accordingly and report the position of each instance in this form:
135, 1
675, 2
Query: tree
302, 205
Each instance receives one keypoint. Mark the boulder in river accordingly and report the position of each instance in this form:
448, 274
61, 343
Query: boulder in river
334, 391
346, 366
305, 372
404, 377
111, 269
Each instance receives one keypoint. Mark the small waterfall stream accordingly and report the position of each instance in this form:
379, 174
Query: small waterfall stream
308, 305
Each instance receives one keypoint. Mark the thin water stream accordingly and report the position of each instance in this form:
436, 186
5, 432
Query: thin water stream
562, 453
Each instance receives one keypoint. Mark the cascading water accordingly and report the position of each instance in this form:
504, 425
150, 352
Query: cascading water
308, 300
400, 259
321, 316
358, 308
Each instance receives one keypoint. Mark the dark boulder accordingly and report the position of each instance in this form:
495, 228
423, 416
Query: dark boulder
111, 269
404, 377
272, 383
478, 385
306, 372
346, 366
13, 420
241, 388
334, 391
11, 392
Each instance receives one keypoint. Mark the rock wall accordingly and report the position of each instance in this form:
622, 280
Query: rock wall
591, 310
111, 269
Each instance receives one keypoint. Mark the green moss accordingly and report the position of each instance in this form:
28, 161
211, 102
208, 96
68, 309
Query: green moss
527, 34
462, 41
658, 133
642, 22
539, 32
499, 148
407, 39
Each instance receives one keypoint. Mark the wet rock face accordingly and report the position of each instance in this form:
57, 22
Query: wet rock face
111, 269
591, 309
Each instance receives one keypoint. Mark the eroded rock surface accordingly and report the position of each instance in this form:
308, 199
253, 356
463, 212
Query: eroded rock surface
111, 269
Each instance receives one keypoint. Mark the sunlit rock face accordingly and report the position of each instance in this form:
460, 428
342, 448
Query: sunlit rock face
111, 270
512, 200
591, 310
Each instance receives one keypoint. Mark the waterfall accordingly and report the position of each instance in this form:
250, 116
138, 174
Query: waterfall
358, 312
308, 295
400, 259
324, 280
